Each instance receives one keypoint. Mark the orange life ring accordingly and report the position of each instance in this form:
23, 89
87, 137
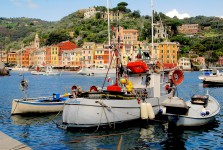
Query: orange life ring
74, 87
177, 77
93, 89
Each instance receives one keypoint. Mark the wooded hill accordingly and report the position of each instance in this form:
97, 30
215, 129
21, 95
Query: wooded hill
17, 31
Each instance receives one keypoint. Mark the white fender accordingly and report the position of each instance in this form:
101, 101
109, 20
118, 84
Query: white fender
150, 111
164, 110
143, 110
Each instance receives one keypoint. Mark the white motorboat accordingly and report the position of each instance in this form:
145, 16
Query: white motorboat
205, 72
38, 71
91, 71
17, 68
51, 72
198, 111
214, 78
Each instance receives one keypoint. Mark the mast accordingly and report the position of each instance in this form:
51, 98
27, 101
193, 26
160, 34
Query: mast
152, 27
109, 38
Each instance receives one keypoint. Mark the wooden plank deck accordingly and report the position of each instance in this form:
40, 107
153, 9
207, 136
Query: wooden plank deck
8, 143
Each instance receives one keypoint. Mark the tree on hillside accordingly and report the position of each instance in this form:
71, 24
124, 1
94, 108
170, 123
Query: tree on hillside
101, 8
135, 14
57, 37
121, 7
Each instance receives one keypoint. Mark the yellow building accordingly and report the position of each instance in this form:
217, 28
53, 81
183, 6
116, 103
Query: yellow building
54, 55
12, 57
168, 52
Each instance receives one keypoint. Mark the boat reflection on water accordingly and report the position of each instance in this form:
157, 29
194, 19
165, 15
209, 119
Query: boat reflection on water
212, 85
188, 137
32, 119
152, 136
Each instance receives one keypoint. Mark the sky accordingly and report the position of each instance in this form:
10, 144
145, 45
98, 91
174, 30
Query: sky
54, 10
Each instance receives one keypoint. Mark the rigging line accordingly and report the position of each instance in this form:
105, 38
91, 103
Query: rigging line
104, 106
107, 71
99, 122
57, 115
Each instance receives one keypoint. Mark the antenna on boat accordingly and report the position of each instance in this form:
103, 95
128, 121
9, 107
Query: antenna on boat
109, 38
24, 86
152, 27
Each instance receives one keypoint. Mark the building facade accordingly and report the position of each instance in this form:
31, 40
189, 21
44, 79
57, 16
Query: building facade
188, 29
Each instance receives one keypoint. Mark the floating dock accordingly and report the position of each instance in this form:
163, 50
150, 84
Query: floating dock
8, 143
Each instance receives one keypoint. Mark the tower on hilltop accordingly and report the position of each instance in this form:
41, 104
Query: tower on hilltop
36, 41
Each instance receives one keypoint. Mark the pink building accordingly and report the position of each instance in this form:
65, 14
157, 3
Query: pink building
220, 61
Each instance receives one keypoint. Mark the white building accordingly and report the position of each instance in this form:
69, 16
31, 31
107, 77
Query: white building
184, 63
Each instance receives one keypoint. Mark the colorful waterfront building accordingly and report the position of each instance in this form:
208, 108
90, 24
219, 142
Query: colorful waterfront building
220, 61
11, 58
77, 57
88, 52
72, 58
3, 56
168, 53
54, 55
101, 56
48, 56
64, 46
126, 39
184, 63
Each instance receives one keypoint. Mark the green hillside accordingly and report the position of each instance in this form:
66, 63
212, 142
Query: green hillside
17, 31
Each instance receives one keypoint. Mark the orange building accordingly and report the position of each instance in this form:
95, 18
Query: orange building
22, 57
101, 56
12, 57
48, 56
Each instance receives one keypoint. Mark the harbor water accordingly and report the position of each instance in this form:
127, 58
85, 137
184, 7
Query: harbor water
41, 132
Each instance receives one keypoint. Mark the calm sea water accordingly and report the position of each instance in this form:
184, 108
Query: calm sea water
41, 132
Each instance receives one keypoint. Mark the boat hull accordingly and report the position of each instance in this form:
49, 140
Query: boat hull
95, 112
33, 106
83, 112
188, 121
93, 72
198, 114
37, 73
